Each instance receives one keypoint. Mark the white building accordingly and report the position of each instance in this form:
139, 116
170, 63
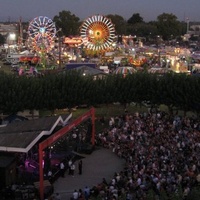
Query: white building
9, 30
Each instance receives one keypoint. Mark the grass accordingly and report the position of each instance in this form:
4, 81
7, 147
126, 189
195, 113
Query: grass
106, 111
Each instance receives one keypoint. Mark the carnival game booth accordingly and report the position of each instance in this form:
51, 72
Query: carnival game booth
29, 143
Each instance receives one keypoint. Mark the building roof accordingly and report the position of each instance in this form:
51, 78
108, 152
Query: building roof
13, 118
23, 135
41, 124
89, 70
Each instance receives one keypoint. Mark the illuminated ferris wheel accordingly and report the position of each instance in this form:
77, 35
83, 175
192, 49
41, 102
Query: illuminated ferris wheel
42, 32
97, 32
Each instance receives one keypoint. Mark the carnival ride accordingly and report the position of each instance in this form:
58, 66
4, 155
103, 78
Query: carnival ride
97, 33
31, 59
137, 61
42, 34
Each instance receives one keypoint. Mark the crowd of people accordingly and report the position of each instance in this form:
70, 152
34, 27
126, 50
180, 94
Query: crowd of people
161, 153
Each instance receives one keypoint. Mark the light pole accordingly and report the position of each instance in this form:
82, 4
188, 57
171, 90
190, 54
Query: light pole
59, 53
11, 40
59, 48
12, 37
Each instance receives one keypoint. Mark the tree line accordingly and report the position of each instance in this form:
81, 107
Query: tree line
167, 26
69, 89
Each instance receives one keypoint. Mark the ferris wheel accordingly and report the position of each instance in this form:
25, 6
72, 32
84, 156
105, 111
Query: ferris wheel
97, 32
42, 31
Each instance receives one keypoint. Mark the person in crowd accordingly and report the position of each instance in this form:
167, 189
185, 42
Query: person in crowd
57, 197
62, 169
86, 192
50, 174
75, 195
81, 195
69, 166
80, 166
72, 168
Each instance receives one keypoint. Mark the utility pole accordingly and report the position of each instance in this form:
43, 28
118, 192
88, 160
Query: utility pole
187, 25
59, 49
20, 41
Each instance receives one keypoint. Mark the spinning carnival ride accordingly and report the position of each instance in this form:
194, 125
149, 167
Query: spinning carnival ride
42, 33
97, 33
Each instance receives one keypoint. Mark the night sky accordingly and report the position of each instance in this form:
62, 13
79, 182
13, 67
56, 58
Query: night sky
11, 10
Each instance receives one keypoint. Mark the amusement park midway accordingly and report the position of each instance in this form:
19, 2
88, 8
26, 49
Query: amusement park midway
102, 163
98, 43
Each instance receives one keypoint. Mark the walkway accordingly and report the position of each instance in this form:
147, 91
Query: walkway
102, 163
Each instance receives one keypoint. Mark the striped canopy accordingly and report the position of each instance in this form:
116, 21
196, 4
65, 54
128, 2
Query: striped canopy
124, 70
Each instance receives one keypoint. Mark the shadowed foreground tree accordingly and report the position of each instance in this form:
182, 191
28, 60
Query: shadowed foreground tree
177, 91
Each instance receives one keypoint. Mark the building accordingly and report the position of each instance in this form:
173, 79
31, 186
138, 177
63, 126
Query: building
10, 31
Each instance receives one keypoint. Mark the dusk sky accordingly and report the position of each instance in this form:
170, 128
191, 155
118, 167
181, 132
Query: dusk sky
148, 9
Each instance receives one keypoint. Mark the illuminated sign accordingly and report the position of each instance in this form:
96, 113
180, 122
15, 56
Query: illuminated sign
73, 41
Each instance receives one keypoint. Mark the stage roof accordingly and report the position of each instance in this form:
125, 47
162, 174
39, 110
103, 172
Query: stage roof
22, 136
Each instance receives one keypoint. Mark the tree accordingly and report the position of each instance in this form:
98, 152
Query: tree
119, 22
135, 19
2, 39
69, 23
137, 26
142, 30
168, 26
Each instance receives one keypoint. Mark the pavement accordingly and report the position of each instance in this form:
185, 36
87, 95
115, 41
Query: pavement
101, 163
